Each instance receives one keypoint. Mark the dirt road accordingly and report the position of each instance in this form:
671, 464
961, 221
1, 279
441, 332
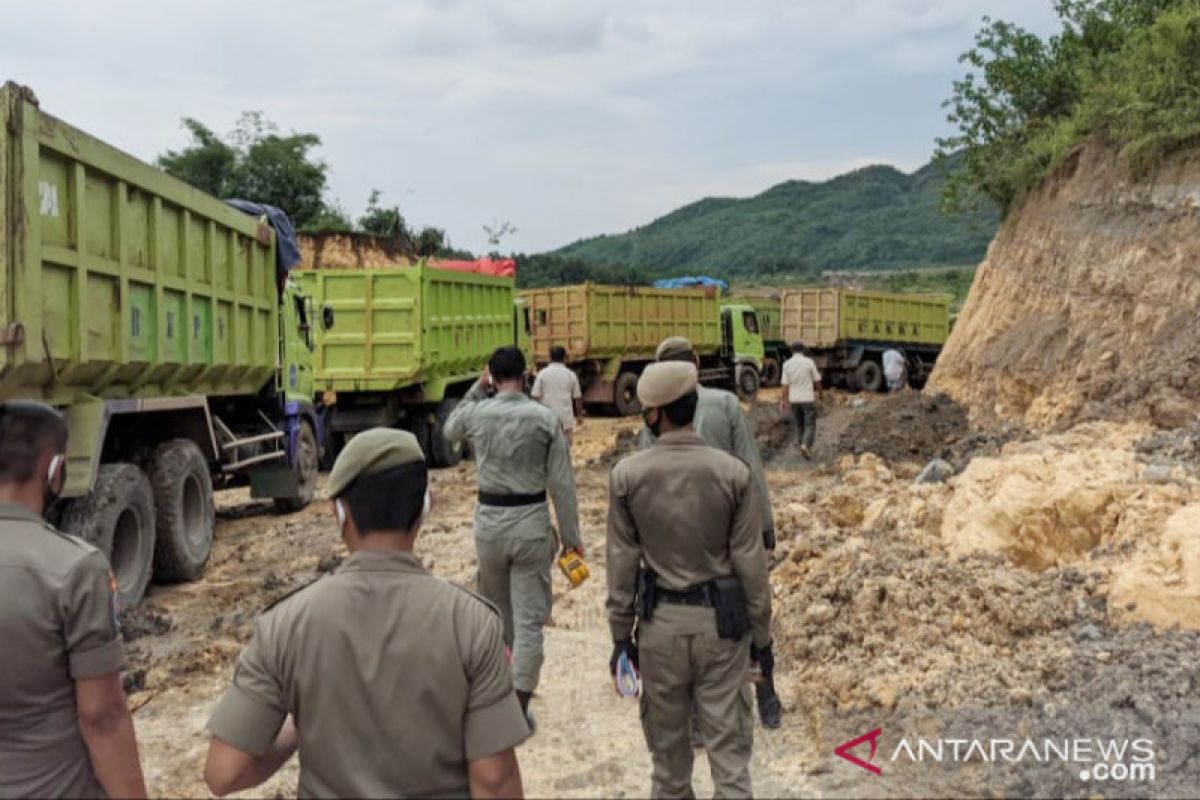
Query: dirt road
896, 604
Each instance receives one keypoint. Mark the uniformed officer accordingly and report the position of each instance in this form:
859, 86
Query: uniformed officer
687, 514
721, 424
520, 455
65, 730
390, 682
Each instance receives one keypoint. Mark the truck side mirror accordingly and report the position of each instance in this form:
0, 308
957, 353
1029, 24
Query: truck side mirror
326, 317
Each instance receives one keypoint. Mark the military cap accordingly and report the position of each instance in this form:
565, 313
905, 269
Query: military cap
663, 383
672, 348
370, 452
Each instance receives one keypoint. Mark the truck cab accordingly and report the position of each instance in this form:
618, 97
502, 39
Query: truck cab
743, 343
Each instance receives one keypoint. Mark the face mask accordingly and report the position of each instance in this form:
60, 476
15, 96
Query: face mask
340, 511
426, 508
656, 426
50, 495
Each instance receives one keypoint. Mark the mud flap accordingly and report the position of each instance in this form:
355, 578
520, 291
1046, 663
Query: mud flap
277, 480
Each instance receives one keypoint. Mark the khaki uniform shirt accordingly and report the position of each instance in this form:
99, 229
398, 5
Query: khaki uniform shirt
519, 449
800, 377
557, 388
58, 624
721, 424
395, 679
687, 511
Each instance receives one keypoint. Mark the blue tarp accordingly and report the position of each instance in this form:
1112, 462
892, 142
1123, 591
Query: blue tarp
685, 283
287, 248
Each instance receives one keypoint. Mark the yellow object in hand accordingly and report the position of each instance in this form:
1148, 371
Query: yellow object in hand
574, 567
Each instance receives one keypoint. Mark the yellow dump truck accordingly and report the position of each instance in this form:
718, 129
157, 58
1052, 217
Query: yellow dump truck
610, 334
848, 331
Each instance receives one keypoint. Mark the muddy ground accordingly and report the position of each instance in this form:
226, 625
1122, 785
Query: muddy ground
980, 607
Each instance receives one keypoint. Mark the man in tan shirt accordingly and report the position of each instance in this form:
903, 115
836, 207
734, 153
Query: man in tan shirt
65, 730
687, 515
557, 388
389, 681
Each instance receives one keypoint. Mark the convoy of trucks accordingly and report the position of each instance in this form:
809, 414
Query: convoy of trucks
610, 334
847, 332
155, 318
187, 356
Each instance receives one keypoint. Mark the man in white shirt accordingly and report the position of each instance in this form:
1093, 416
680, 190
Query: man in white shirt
557, 388
801, 388
893, 369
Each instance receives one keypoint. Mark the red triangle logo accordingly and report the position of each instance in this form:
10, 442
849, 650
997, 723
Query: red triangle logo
844, 749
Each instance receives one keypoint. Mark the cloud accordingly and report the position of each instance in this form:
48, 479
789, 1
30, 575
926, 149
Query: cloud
567, 118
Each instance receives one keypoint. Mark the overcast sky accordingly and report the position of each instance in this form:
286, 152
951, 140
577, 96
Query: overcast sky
569, 118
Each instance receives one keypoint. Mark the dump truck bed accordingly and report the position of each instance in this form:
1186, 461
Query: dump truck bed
822, 318
396, 327
594, 321
117, 280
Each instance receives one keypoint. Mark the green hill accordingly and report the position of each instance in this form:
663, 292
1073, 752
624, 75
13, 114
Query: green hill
870, 219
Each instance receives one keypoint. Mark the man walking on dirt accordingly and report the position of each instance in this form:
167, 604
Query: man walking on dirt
721, 424
801, 388
557, 388
520, 457
389, 681
687, 572
893, 369
65, 730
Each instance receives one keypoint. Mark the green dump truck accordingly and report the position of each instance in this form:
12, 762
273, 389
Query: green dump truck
407, 343
775, 350
848, 331
154, 317
610, 334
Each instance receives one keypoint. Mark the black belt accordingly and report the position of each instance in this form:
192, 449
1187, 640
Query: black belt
511, 500
692, 597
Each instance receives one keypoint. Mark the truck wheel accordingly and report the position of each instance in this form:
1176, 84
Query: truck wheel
443, 453
869, 377
772, 373
625, 398
306, 466
117, 517
747, 382
183, 503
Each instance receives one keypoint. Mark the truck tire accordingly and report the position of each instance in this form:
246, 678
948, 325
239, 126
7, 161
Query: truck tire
118, 518
772, 373
306, 466
625, 399
869, 377
184, 513
443, 453
747, 382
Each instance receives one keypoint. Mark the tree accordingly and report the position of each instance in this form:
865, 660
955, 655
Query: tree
430, 241
383, 221
496, 232
254, 162
1025, 103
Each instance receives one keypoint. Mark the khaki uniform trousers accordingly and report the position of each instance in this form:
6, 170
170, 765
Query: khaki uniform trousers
514, 575
683, 662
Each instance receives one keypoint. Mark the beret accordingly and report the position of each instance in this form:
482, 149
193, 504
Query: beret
665, 382
372, 451
672, 348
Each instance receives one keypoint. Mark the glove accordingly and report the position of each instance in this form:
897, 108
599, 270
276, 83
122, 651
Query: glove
764, 657
624, 646
769, 538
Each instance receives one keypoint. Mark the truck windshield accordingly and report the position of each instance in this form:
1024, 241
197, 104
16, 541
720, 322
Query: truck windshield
750, 321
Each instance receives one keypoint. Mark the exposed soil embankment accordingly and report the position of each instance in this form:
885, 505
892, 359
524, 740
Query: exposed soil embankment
1086, 305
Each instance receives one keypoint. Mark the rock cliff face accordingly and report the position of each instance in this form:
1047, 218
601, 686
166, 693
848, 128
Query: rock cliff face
1088, 304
